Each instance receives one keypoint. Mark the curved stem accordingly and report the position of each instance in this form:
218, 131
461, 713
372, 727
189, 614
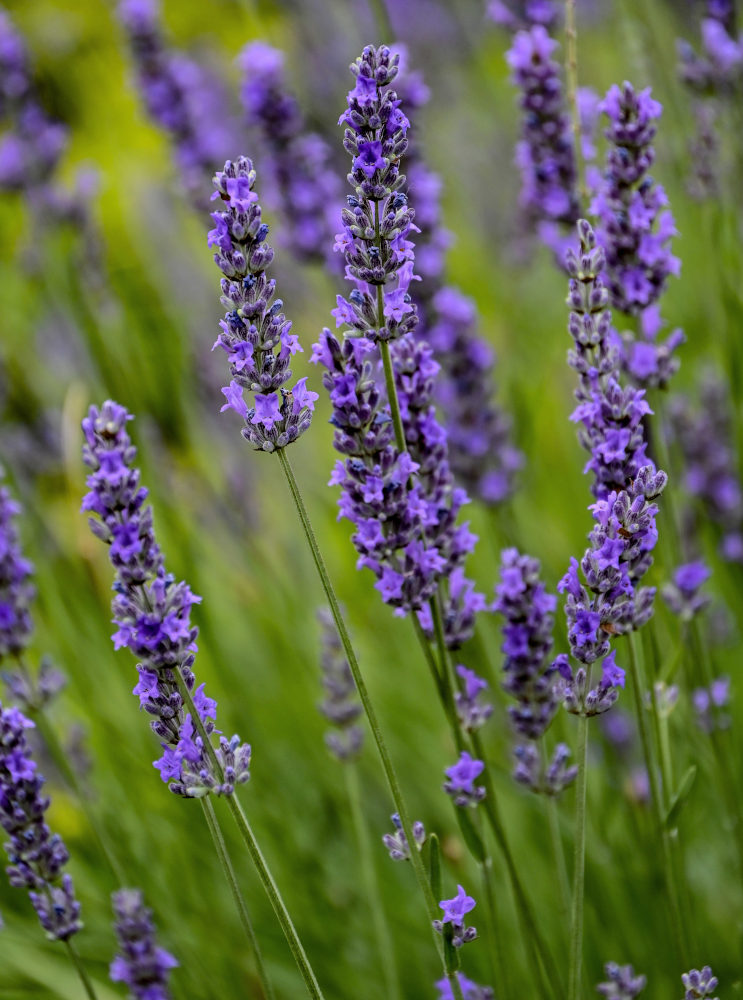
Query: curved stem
579, 865
229, 873
571, 36
264, 873
381, 928
81, 971
656, 795
371, 715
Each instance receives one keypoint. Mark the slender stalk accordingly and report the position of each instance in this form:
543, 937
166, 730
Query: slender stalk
229, 873
264, 873
368, 873
495, 955
384, 350
571, 37
656, 795
579, 864
81, 971
382, 19
371, 715
553, 819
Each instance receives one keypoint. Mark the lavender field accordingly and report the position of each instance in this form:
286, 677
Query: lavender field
371, 499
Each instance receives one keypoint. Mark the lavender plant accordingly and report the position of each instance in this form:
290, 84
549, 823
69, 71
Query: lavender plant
141, 963
16, 589
621, 982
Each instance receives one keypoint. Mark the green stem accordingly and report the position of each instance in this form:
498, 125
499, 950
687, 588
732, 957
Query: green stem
371, 715
264, 873
381, 927
382, 18
571, 37
553, 819
656, 795
579, 864
229, 873
494, 952
384, 350
81, 971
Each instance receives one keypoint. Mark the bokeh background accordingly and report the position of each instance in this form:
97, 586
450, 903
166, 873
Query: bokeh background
128, 309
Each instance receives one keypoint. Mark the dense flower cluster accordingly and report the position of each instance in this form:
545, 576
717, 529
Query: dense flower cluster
699, 983
181, 97
376, 220
718, 69
528, 609
610, 416
141, 964
626, 484
545, 153
682, 593
461, 777
256, 336
455, 911
621, 982
16, 589
341, 706
36, 855
481, 453
397, 843
152, 613
705, 439
635, 229
298, 161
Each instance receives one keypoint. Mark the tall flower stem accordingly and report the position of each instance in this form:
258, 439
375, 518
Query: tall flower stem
571, 37
579, 863
368, 873
656, 795
229, 873
495, 954
371, 715
81, 971
246, 832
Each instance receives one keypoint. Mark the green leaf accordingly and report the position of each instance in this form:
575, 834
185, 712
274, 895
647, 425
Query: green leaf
471, 836
680, 797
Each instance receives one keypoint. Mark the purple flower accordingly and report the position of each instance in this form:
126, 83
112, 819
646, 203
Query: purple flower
472, 711
470, 989
611, 674
455, 910
152, 613
369, 158
461, 780
341, 706
141, 964
621, 982
256, 336
682, 595
297, 162
699, 983
709, 704
36, 855
16, 589
397, 843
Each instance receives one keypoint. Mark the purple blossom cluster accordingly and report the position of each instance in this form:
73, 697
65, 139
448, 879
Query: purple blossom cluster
718, 68
481, 453
341, 706
472, 711
624, 533
376, 220
37, 856
256, 336
699, 983
16, 590
460, 781
528, 609
470, 989
181, 97
397, 843
635, 228
152, 614
621, 982
705, 438
545, 153
455, 911
141, 964
297, 161
610, 415
683, 593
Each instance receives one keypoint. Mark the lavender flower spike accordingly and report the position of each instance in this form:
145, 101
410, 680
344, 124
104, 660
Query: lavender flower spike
682, 594
621, 982
341, 706
461, 777
635, 229
455, 910
152, 614
256, 336
37, 856
141, 964
16, 589
699, 983
397, 843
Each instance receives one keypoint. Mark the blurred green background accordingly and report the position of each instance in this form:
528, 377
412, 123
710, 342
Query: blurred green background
140, 330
